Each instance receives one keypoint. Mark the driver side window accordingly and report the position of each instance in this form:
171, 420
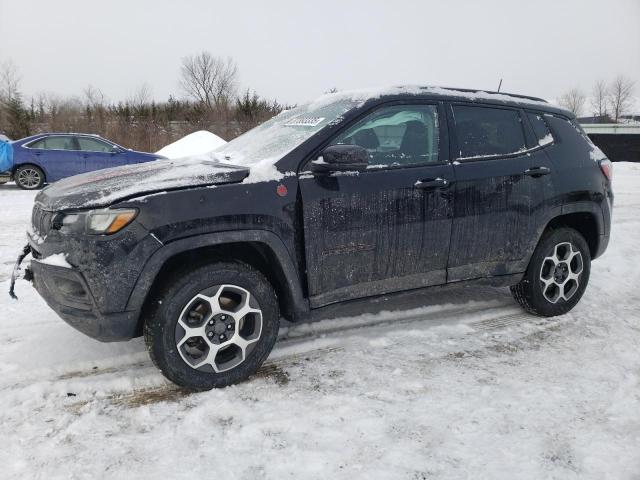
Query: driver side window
397, 135
92, 145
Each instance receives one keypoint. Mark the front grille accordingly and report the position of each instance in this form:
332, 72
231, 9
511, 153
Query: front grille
41, 221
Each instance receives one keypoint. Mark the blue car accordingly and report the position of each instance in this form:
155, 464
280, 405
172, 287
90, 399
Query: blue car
48, 157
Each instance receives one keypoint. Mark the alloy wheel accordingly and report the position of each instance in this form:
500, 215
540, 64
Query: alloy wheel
218, 328
29, 178
560, 272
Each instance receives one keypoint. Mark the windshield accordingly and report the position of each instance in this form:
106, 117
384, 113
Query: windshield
275, 138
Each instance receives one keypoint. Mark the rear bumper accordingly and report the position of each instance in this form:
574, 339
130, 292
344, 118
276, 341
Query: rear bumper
66, 292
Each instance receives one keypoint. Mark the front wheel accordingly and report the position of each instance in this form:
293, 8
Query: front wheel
29, 177
557, 275
212, 326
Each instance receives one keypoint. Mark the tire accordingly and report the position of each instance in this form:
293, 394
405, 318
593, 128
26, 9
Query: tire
557, 275
190, 317
29, 177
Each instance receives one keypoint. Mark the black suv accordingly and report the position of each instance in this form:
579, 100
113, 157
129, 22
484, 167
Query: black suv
340, 201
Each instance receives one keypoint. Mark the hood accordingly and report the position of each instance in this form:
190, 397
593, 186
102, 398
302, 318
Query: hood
105, 187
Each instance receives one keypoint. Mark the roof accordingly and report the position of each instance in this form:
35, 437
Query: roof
51, 134
484, 96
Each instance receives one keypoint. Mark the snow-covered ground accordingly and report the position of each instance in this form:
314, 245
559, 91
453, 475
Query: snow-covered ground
467, 387
196, 143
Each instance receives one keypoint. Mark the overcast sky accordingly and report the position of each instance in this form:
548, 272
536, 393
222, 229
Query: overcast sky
295, 50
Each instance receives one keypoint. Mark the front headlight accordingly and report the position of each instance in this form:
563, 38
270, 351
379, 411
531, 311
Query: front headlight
95, 222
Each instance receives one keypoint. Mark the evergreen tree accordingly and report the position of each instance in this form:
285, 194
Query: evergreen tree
16, 117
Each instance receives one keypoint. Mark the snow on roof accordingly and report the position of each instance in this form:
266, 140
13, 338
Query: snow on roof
196, 143
365, 94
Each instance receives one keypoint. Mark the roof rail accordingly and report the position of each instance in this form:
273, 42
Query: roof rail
515, 95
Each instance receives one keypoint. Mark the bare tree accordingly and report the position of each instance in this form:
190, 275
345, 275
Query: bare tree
141, 97
94, 98
209, 80
9, 81
620, 96
573, 100
599, 98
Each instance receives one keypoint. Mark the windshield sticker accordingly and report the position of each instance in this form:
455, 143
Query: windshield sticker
304, 122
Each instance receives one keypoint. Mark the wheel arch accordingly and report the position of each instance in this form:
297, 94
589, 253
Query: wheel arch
261, 249
585, 223
31, 164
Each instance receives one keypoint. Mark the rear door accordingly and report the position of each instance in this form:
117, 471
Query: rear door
58, 155
496, 193
387, 228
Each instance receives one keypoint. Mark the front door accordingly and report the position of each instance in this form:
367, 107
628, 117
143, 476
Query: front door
387, 228
496, 193
99, 154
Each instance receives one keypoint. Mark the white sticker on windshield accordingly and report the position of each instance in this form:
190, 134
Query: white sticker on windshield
304, 122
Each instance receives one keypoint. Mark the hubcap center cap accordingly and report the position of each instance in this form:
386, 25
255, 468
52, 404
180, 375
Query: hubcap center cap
220, 328
561, 272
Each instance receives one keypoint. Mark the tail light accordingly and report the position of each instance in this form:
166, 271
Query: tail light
607, 169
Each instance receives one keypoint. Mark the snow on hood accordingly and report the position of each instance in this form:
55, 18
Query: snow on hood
104, 187
196, 143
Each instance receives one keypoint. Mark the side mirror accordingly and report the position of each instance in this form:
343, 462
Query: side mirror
115, 149
341, 158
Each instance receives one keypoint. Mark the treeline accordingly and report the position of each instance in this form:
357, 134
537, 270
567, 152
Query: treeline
210, 102
609, 102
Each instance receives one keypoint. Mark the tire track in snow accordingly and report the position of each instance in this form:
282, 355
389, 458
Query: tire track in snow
301, 340
277, 369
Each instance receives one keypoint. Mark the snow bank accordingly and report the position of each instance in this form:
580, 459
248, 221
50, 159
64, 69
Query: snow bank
196, 143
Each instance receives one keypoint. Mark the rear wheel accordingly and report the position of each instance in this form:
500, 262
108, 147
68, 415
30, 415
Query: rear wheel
557, 275
213, 326
29, 177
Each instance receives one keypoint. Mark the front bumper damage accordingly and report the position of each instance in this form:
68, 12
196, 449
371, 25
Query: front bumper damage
66, 291
26, 250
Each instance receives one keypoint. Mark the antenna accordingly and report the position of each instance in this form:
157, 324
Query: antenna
499, 85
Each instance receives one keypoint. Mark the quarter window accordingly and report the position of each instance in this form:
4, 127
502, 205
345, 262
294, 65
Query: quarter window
54, 143
484, 131
93, 145
540, 128
398, 135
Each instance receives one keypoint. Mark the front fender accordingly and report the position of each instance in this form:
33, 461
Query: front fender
268, 238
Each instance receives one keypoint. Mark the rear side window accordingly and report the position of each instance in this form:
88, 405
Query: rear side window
540, 128
54, 143
484, 131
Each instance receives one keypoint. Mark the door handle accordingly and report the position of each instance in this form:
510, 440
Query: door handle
537, 171
432, 183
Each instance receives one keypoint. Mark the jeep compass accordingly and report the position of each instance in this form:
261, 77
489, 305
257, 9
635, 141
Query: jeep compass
338, 202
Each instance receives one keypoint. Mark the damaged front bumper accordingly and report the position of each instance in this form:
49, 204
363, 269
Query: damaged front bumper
26, 250
66, 291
